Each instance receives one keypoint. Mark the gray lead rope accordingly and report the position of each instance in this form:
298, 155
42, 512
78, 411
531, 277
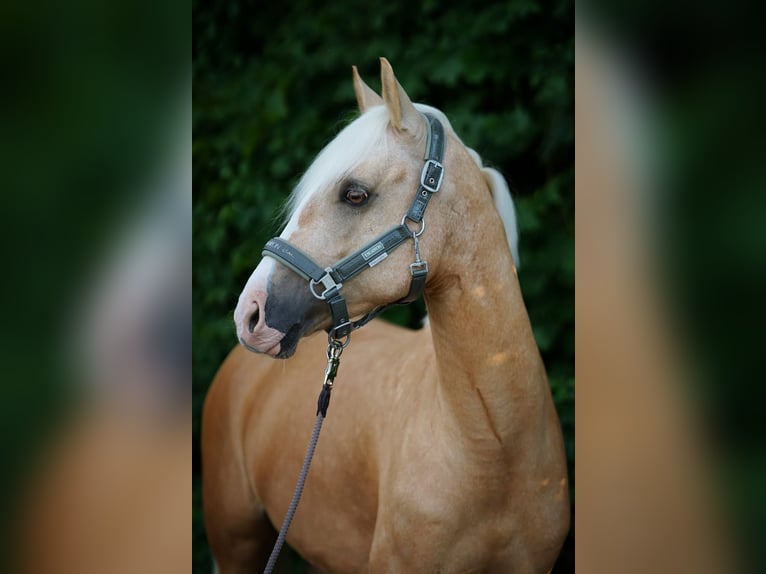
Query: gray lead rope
334, 350
296, 496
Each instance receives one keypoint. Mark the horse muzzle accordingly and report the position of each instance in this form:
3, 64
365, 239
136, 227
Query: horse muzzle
275, 310
252, 330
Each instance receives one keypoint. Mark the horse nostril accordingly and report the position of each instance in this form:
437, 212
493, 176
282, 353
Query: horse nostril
254, 319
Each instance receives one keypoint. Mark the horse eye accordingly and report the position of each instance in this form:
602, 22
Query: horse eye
354, 195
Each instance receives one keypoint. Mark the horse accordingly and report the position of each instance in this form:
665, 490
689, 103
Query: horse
442, 451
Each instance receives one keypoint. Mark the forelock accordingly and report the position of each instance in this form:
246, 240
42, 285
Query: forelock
360, 139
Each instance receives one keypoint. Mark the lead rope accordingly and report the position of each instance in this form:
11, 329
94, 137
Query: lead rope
334, 349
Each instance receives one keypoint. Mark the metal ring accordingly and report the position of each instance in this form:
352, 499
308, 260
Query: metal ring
333, 340
422, 226
314, 293
327, 282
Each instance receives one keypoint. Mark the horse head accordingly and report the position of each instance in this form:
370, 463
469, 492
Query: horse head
357, 188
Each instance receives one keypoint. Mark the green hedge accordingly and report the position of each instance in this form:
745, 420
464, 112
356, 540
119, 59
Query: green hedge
272, 85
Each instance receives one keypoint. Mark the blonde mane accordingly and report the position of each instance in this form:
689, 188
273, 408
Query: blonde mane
501, 194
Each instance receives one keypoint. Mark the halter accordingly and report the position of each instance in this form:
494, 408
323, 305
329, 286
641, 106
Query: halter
325, 283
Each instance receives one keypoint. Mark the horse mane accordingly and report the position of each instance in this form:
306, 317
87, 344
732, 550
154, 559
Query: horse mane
361, 137
501, 194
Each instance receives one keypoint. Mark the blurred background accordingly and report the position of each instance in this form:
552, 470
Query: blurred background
671, 270
95, 131
272, 86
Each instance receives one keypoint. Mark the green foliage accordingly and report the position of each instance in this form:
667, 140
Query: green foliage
272, 85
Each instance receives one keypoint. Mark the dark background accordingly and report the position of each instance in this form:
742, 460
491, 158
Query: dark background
272, 85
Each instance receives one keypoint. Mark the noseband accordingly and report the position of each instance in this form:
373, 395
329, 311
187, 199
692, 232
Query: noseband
325, 283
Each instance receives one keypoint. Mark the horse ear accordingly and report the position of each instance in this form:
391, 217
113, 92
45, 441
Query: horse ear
365, 97
404, 116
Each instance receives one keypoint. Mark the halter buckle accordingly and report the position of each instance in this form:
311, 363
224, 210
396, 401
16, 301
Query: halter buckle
418, 268
327, 282
432, 175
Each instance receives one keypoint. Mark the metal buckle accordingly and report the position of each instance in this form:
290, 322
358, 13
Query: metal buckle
418, 267
327, 282
432, 181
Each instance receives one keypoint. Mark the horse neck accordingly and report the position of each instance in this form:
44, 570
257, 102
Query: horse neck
491, 376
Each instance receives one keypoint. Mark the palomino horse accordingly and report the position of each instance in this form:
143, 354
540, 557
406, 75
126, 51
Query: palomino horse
442, 451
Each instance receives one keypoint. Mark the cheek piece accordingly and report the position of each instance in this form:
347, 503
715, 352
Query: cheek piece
326, 283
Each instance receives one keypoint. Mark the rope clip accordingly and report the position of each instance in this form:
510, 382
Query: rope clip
334, 350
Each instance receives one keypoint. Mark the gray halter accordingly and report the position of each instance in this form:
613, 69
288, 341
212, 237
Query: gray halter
325, 283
